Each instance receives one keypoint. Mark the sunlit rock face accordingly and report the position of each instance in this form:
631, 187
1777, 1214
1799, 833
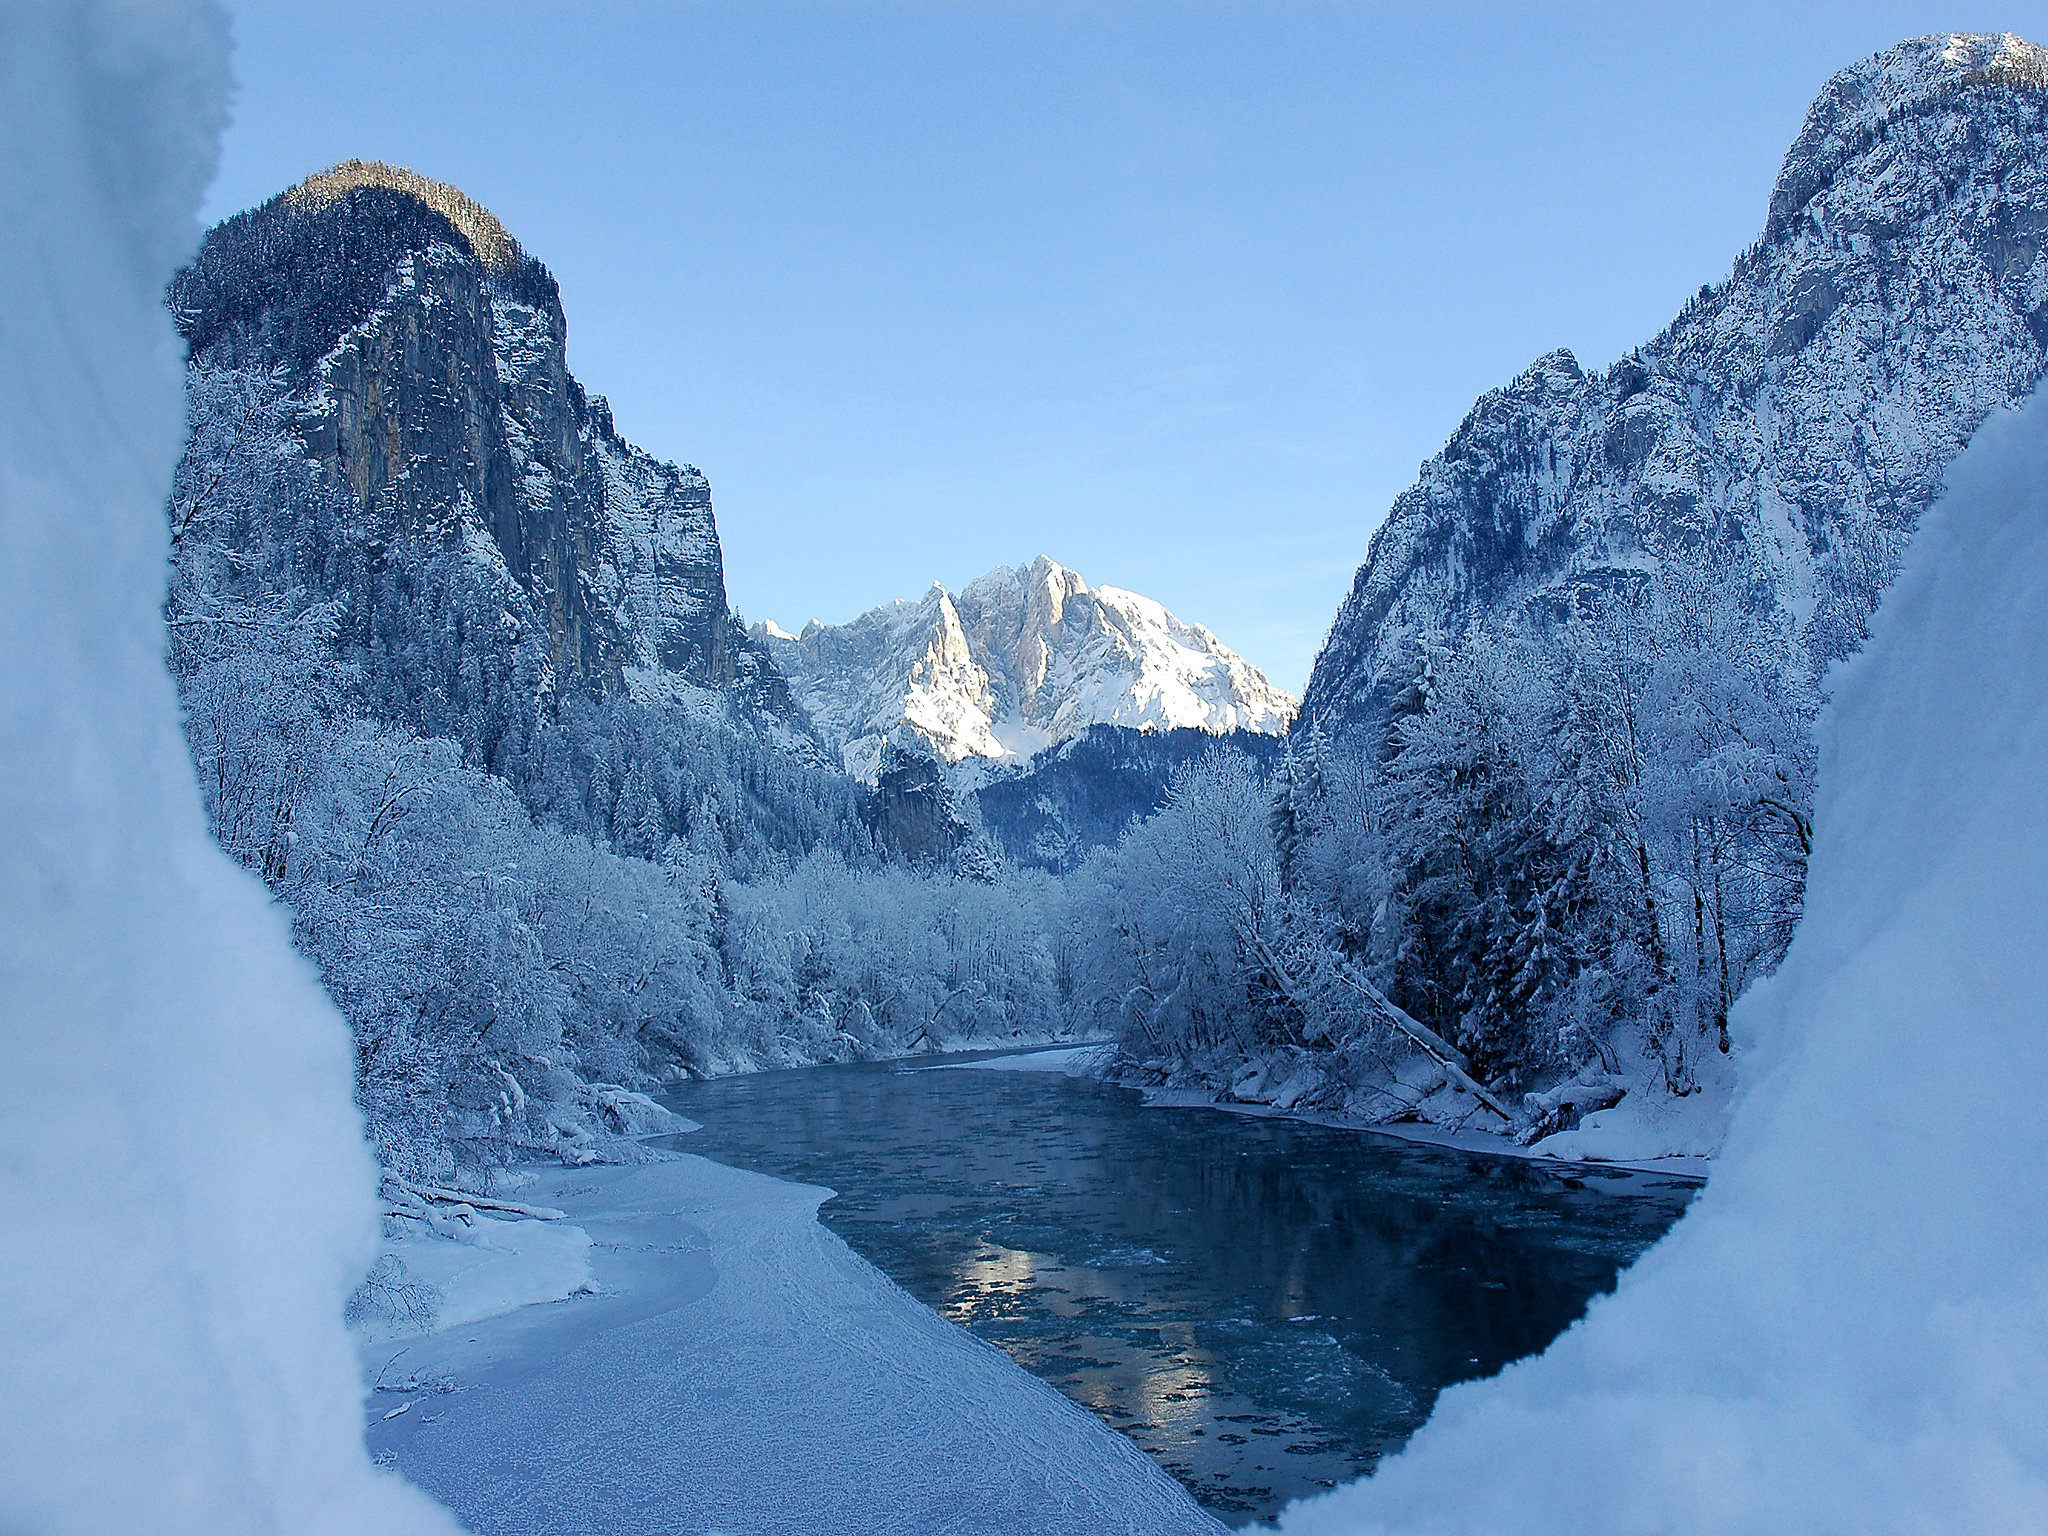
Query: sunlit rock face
419, 356
1788, 428
1021, 660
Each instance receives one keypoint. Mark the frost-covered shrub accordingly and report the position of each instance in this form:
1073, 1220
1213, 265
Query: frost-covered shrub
839, 962
390, 1304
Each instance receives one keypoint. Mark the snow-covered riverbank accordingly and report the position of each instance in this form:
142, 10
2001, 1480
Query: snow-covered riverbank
1091, 1060
734, 1367
1482, 1142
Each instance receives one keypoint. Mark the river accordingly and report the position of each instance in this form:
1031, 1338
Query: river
1265, 1307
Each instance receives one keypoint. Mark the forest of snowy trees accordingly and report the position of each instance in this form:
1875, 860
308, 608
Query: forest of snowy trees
464, 689
531, 915
1566, 847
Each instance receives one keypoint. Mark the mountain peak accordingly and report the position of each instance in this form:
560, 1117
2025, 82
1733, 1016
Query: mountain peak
425, 374
1790, 424
488, 239
1023, 658
1860, 102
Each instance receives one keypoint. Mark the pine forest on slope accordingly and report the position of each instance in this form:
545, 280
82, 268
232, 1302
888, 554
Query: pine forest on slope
464, 689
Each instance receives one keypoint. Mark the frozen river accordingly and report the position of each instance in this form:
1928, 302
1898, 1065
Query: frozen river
1264, 1307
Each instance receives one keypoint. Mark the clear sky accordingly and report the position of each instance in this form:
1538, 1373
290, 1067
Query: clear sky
1179, 295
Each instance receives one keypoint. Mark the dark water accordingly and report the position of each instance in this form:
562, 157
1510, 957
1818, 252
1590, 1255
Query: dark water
1265, 1307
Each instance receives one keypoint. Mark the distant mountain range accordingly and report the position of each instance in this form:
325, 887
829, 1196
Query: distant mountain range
1791, 424
1022, 659
506, 548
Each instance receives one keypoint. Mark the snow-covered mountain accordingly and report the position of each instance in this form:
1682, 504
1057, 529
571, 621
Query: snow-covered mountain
1789, 426
1021, 660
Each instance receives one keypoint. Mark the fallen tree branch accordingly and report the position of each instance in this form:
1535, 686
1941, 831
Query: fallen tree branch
1431, 1044
422, 1193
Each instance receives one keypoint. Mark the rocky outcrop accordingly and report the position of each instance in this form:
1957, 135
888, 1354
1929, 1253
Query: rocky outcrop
421, 359
1788, 428
913, 810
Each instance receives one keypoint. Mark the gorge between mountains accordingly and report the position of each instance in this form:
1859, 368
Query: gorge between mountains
1000, 1062
1542, 817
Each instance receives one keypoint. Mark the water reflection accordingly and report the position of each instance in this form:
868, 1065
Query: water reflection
1264, 1307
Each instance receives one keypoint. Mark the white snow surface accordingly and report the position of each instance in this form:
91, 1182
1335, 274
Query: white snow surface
739, 1369
1019, 661
1646, 1126
1847, 1331
504, 1266
188, 1197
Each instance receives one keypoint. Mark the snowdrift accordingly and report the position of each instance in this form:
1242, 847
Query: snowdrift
1848, 1330
188, 1198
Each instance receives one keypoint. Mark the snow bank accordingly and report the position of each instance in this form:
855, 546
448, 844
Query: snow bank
1066, 1060
1649, 1123
504, 1266
1645, 1127
739, 1369
1848, 1330
187, 1197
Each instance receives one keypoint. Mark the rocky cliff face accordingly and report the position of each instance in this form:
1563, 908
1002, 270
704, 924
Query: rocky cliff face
1794, 421
418, 355
1021, 660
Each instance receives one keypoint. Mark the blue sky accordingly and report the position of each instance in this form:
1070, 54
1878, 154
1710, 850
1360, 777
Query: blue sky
1179, 295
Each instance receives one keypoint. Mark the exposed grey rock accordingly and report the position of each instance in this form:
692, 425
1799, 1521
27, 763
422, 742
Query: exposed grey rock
424, 359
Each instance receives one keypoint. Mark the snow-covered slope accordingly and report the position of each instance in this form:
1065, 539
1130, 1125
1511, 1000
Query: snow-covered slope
740, 1369
188, 1197
1847, 1330
1791, 424
1021, 660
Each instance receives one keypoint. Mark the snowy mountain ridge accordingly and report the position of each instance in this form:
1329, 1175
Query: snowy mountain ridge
1789, 426
1021, 659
